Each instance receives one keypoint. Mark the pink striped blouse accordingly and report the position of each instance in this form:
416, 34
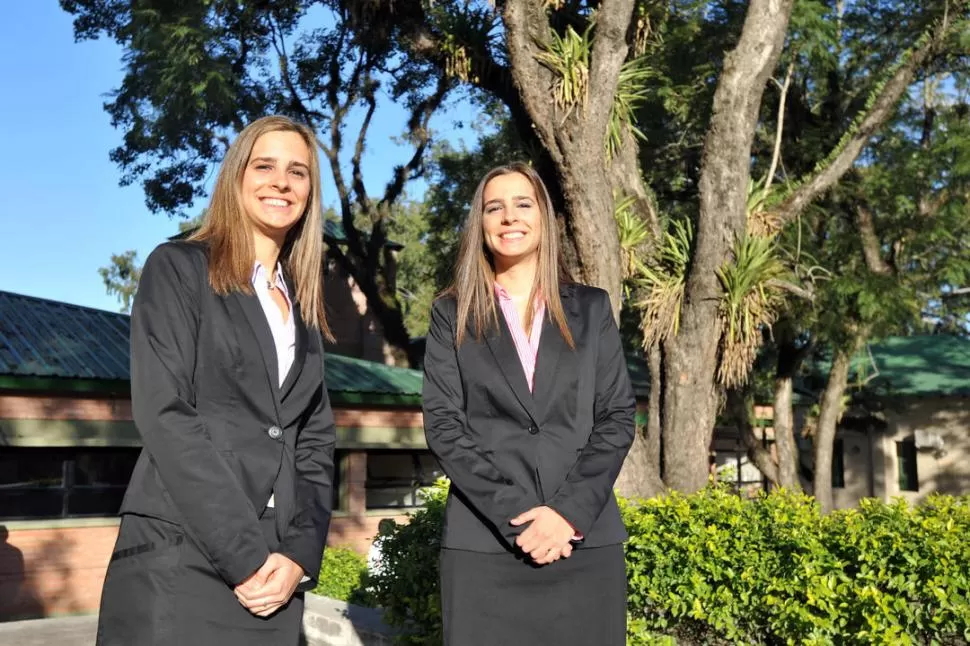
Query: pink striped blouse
527, 346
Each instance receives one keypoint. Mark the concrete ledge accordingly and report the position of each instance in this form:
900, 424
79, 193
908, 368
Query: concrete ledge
326, 622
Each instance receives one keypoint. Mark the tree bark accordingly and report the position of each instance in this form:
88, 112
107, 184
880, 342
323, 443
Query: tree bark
640, 476
741, 410
690, 393
784, 424
830, 410
576, 141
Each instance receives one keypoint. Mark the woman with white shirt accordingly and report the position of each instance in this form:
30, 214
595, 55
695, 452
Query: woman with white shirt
226, 515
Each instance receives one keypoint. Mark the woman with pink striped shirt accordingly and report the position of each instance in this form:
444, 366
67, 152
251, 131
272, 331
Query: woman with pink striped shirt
529, 409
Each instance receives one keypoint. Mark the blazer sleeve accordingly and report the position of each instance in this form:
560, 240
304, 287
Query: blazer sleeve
589, 484
490, 491
306, 535
203, 489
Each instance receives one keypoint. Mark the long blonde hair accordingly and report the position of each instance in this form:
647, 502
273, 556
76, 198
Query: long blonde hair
229, 236
474, 284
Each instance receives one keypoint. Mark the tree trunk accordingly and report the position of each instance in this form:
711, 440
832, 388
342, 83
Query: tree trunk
830, 410
640, 476
741, 408
784, 424
690, 393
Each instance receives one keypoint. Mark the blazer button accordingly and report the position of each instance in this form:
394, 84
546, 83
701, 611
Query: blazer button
274, 432
533, 429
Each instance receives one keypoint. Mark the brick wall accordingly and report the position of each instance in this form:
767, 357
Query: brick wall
59, 570
53, 571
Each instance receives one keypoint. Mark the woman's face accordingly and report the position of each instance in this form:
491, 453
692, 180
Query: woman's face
276, 183
511, 219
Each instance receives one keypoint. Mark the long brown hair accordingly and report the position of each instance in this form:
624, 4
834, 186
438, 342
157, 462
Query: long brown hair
474, 283
229, 236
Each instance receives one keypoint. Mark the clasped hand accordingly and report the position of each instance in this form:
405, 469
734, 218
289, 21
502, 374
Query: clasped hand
270, 587
547, 538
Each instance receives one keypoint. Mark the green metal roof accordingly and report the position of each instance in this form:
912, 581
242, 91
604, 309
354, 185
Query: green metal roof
916, 366
351, 375
49, 345
904, 366
42, 338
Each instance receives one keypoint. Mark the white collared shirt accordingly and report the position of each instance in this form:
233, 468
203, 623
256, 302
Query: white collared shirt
284, 332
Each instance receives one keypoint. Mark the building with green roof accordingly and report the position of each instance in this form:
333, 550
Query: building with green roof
906, 427
68, 445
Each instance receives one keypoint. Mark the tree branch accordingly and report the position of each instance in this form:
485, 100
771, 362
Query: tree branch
727, 145
852, 144
297, 103
870, 242
791, 288
776, 155
527, 31
609, 51
418, 124
360, 190
959, 291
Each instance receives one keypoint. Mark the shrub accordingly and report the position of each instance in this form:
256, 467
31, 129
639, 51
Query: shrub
343, 576
716, 568
406, 583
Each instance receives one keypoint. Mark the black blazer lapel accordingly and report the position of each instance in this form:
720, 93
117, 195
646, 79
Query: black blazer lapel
299, 352
503, 349
264, 338
551, 347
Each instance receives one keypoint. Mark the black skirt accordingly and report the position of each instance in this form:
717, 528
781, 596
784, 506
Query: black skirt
161, 590
501, 599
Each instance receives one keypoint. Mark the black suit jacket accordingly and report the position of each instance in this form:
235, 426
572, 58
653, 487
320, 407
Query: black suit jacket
506, 449
218, 432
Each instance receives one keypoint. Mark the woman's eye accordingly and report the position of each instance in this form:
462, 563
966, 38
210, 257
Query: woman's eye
299, 173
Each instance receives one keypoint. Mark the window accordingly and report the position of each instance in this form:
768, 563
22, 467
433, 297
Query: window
838, 464
906, 465
394, 477
339, 494
63, 482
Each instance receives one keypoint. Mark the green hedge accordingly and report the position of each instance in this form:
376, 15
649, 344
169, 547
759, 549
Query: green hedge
716, 568
343, 576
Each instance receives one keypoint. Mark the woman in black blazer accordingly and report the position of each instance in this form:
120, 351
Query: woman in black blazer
529, 408
226, 515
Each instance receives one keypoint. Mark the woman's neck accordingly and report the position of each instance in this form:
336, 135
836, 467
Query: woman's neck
267, 251
517, 279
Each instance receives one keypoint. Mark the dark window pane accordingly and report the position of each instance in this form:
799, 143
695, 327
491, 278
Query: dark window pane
393, 478
428, 469
31, 503
838, 464
105, 466
95, 501
906, 465
381, 465
31, 467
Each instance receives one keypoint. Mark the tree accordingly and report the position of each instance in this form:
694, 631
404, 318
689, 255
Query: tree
886, 243
121, 276
700, 266
198, 71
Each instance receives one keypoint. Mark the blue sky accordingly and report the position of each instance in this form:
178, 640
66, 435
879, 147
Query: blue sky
65, 213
